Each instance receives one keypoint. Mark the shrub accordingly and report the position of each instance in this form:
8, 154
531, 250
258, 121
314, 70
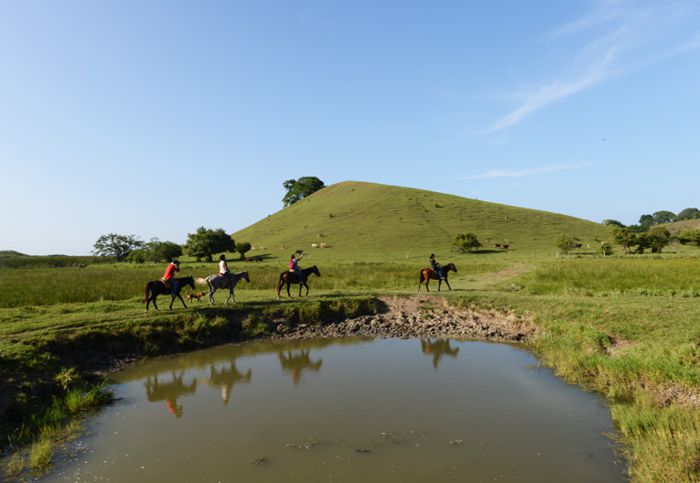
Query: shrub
567, 243
466, 242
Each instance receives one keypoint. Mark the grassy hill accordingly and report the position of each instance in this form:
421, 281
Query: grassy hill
677, 226
367, 221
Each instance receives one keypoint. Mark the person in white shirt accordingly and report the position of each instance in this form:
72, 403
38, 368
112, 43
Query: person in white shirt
223, 267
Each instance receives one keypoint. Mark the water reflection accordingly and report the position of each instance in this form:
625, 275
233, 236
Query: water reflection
227, 377
295, 362
438, 348
169, 391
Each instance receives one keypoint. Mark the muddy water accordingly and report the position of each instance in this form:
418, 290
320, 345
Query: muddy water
346, 410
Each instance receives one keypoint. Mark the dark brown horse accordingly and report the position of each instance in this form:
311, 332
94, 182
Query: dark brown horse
428, 274
289, 278
157, 287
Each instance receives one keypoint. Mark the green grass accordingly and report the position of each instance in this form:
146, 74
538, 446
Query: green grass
627, 327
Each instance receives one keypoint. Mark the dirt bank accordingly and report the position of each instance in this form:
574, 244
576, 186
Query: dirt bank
417, 317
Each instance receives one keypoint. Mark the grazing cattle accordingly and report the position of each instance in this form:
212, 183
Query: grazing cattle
505, 246
578, 245
497, 245
314, 245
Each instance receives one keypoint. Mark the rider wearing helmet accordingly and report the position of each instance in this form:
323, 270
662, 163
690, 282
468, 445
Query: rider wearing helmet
169, 276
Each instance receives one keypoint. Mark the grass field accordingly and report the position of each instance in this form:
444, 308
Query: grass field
626, 326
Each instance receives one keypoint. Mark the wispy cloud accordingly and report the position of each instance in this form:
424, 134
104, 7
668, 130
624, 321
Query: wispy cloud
624, 36
521, 173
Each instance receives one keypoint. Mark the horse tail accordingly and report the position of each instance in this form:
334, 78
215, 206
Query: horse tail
201, 281
280, 282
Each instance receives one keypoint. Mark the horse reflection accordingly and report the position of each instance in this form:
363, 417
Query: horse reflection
169, 391
296, 363
227, 377
438, 348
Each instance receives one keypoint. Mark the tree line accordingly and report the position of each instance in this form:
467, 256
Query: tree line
201, 244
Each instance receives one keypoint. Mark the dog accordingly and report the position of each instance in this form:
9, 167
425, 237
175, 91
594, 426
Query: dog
195, 295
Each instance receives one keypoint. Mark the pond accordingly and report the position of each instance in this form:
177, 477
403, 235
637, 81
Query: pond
346, 410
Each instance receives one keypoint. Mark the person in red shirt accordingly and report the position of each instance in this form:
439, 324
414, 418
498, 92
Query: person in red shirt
169, 275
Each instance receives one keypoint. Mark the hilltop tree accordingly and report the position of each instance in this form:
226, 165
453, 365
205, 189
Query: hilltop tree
300, 188
205, 242
115, 245
162, 251
664, 217
688, 214
613, 223
242, 248
466, 242
567, 243
645, 221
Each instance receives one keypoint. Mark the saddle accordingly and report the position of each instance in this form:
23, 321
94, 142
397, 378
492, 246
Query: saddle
166, 283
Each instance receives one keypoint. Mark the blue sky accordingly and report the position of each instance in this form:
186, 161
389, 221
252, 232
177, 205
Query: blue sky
157, 117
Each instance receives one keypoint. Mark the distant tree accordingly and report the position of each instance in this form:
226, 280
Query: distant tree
645, 221
242, 248
163, 251
115, 245
205, 242
567, 243
613, 223
140, 255
689, 235
688, 214
664, 217
606, 249
466, 242
298, 189
637, 228
626, 237
657, 238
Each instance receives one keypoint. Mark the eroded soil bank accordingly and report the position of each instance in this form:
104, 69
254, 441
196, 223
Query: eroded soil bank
418, 317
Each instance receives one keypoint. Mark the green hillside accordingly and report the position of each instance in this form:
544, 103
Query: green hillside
677, 226
367, 221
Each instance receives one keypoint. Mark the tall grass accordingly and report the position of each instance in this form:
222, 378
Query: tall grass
43, 286
616, 276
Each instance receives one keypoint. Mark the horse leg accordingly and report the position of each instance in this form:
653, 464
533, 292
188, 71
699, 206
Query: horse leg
439, 284
181, 300
307, 289
427, 284
301, 285
230, 295
448, 284
211, 293
288, 294
155, 296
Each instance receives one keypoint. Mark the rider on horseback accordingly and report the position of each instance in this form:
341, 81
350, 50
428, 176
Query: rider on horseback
294, 267
169, 276
437, 268
223, 268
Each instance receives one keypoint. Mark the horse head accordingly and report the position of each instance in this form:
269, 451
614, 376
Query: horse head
246, 277
314, 269
189, 281
451, 266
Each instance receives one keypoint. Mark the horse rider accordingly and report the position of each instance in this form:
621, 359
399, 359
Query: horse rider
168, 277
437, 268
223, 268
294, 267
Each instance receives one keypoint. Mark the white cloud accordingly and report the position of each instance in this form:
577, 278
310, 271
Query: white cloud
521, 173
634, 35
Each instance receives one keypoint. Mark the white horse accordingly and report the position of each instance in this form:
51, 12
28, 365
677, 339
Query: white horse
218, 281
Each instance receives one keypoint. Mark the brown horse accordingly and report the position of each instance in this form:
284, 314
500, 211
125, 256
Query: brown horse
428, 274
289, 278
157, 287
